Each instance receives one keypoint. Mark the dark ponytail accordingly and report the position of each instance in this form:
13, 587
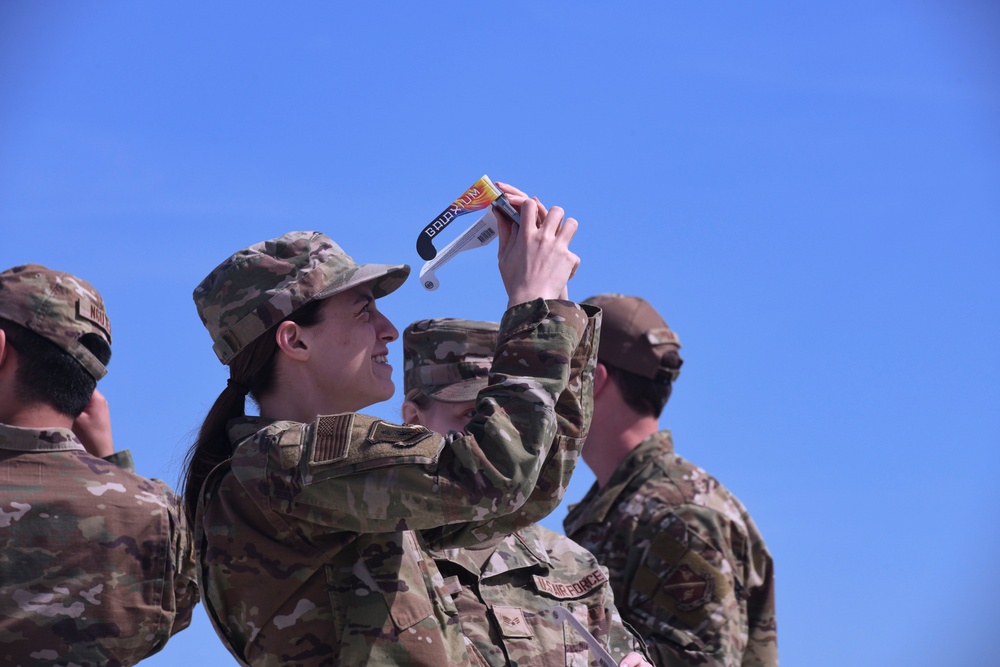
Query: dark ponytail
250, 371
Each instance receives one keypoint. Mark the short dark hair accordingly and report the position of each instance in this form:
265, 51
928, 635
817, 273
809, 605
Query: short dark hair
644, 395
49, 375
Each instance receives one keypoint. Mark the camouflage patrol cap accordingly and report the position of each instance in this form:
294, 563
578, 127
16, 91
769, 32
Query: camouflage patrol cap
634, 337
449, 360
57, 306
258, 287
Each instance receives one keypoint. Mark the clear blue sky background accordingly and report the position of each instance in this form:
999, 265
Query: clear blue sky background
809, 192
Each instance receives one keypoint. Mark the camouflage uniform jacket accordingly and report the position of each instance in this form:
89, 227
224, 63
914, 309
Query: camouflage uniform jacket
96, 564
312, 537
689, 569
505, 596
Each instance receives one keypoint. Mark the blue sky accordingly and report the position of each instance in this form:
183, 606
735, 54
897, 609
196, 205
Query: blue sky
808, 192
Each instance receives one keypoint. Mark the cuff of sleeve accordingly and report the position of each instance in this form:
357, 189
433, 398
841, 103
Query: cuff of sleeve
122, 459
527, 316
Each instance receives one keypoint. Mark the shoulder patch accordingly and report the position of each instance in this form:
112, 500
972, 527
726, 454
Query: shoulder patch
398, 435
679, 583
332, 440
689, 587
574, 589
346, 444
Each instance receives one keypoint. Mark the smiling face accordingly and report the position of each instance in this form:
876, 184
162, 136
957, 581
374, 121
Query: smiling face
347, 349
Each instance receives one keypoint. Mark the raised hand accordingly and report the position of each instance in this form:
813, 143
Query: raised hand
93, 427
534, 257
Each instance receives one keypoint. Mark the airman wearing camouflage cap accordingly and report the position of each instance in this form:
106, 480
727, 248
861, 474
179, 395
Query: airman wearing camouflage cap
688, 566
96, 564
57, 306
329, 511
505, 593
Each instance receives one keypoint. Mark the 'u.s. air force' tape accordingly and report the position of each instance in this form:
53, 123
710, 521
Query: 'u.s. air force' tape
484, 195
604, 658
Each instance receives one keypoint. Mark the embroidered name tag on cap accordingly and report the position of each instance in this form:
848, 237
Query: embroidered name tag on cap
563, 591
398, 435
93, 312
511, 622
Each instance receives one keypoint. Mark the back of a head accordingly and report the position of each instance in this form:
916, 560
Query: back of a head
640, 351
58, 325
447, 359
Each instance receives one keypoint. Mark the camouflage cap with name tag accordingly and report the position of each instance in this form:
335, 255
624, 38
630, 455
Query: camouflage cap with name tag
258, 287
447, 359
57, 306
634, 337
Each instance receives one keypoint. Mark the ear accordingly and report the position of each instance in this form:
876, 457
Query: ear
290, 341
601, 379
4, 348
411, 413
8, 355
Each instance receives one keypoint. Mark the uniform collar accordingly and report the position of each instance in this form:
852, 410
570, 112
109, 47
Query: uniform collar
521, 550
21, 439
241, 428
598, 502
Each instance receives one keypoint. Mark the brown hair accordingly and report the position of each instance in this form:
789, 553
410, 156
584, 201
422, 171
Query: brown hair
251, 372
49, 375
644, 395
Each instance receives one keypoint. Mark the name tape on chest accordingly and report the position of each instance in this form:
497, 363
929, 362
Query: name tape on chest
579, 588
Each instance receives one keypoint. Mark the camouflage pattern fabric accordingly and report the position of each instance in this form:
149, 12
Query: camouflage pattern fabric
58, 307
504, 598
304, 535
96, 563
448, 359
689, 569
298, 267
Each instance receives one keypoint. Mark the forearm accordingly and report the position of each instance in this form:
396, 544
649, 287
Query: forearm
345, 473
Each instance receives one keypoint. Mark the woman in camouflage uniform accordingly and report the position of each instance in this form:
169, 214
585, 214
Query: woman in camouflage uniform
303, 515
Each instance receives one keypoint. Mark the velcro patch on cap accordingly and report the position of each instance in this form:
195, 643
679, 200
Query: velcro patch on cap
397, 435
511, 622
95, 313
565, 591
662, 337
332, 440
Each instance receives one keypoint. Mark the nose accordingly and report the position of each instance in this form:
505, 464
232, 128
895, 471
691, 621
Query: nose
386, 331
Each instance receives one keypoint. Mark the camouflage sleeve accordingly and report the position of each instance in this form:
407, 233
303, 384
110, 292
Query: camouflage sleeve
181, 593
353, 473
762, 640
622, 640
688, 596
185, 591
573, 411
